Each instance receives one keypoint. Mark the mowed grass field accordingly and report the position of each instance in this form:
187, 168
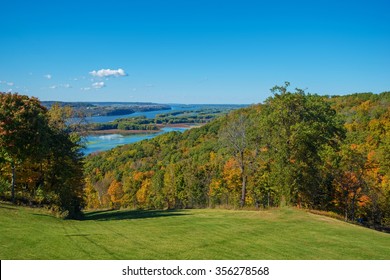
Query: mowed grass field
278, 234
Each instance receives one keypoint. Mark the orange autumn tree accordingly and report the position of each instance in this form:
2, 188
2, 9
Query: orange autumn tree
115, 192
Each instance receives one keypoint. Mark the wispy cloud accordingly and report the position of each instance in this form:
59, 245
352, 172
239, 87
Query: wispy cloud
108, 73
98, 85
47, 76
60, 86
11, 84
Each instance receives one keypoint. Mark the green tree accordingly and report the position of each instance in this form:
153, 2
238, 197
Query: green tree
41, 146
295, 128
23, 131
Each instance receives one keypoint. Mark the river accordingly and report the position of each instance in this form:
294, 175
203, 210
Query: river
98, 143
149, 114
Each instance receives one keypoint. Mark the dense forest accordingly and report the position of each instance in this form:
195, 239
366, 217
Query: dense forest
329, 153
310, 151
40, 157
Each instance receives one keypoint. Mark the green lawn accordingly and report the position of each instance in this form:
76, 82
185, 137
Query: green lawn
186, 234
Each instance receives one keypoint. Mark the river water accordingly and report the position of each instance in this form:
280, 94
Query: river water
149, 115
98, 143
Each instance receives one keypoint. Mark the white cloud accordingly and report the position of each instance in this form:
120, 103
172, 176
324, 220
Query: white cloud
47, 76
85, 88
108, 73
98, 85
7, 83
60, 86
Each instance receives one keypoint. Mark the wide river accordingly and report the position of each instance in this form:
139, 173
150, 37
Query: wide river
97, 143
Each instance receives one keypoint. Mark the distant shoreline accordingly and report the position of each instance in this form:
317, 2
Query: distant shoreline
134, 132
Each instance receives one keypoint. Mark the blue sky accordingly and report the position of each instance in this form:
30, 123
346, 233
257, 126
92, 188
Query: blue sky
192, 51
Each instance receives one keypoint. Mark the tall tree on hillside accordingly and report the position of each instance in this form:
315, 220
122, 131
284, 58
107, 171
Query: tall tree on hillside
296, 127
44, 149
23, 131
235, 136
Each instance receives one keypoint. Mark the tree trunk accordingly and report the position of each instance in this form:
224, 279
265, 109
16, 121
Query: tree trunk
268, 200
243, 191
353, 207
13, 183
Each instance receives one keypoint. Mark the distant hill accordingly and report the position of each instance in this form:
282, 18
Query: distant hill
109, 108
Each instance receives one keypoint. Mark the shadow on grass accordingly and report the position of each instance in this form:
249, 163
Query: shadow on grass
45, 215
112, 215
8, 207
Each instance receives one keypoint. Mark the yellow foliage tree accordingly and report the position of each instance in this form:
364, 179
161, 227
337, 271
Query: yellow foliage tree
143, 192
115, 191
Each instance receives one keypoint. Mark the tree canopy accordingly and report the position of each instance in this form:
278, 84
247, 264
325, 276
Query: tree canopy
39, 158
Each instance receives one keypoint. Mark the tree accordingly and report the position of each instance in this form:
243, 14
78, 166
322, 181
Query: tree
295, 128
44, 149
23, 131
234, 135
116, 193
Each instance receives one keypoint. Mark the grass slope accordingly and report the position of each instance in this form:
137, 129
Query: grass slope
187, 234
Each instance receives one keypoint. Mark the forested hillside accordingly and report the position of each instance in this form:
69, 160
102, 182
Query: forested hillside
324, 153
299, 149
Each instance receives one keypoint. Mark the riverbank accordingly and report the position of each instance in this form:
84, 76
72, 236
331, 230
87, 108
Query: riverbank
121, 132
135, 132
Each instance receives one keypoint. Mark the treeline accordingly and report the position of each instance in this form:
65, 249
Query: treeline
117, 110
201, 116
187, 117
107, 108
136, 123
324, 153
40, 158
